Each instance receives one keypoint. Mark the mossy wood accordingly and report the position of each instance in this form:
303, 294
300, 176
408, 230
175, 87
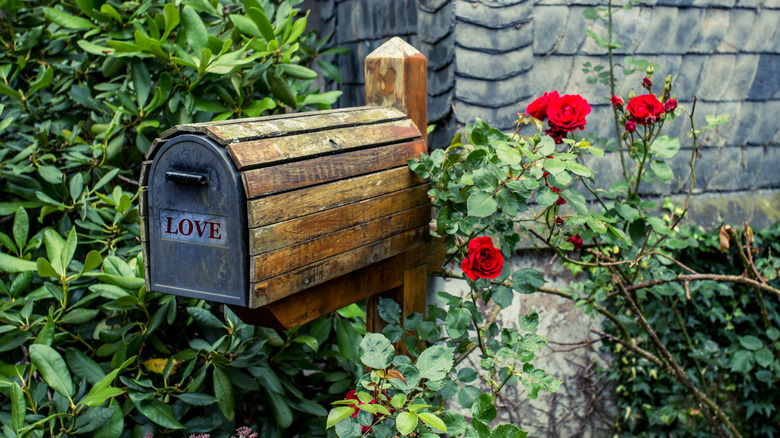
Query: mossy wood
326, 196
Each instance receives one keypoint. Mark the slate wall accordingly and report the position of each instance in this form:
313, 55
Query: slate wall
490, 58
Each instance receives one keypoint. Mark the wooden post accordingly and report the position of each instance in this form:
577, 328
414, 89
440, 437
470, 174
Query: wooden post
396, 76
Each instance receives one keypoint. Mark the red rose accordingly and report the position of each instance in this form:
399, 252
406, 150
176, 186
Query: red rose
352, 395
645, 108
576, 240
616, 102
568, 112
670, 105
484, 260
538, 108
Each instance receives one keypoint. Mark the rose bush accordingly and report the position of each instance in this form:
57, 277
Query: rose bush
483, 260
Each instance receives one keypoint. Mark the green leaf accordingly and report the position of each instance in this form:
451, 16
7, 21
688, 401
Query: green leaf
662, 170
12, 264
457, 322
21, 227
338, 414
389, 310
246, 25
553, 165
69, 249
67, 21
481, 204
50, 174
575, 199
93, 261
159, 413
310, 341
398, 400
508, 155
433, 421
83, 366
205, 318
579, 169
262, 22
281, 89
483, 409
665, 147
98, 396
546, 146
44, 79
742, 361
527, 280
256, 107
764, 357
197, 399
172, 19
142, 82
53, 369
435, 362
658, 224
194, 29
503, 296
508, 431
529, 322
545, 197
376, 351
18, 407
280, 409
406, 422
223, 390
298, 71
751, 342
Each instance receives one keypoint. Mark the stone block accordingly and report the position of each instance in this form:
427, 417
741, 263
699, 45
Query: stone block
629, 28
658, 38
712, 29
440, 106
434, 27
745, 68
739, 31
494, 40
549, 27
371, 19
432, 5
484, 65
760, 208
573, 38
439, 54
688, 78
687, 30
550, 74
498, 3
440, 81
749, 4
765, 127
494, 17
500, 118
441, 137
766, 83
716, 73
497, 94
764, 33
773, 4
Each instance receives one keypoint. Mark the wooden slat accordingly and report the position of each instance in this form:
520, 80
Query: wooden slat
153, 148
199, 128
287, 284
143, 202
276, 208
334, 294
294, 231
286, 259
268, 151
258, 182
246, 130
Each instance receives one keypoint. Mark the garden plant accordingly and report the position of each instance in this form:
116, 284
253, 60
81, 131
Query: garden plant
87, 351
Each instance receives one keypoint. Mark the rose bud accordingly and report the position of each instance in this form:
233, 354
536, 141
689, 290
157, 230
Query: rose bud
670, 105
484, 260
616, 102
647, 82
630, 126
559, 220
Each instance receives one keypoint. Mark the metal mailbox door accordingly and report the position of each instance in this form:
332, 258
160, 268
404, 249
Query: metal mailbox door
197, 220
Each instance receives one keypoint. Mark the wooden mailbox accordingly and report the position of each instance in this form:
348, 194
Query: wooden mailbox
288, 217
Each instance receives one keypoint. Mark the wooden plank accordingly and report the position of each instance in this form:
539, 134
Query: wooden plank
143, 202
153, 148
276, 208
259, 153
396, 75
286, 259
198, 128
246, 130
294, 231
143, 179
314, 302
285, 285
268, 180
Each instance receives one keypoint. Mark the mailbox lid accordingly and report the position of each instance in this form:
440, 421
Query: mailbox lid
196, 218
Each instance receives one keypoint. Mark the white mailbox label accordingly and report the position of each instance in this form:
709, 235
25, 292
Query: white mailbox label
193, 227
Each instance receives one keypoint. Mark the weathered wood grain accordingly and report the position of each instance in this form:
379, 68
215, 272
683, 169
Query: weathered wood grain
268, 180
396, 75
275, 151
285, 285
334, 294
246, 130
286, 259
143, 201
283, 234
276, 208
156, 145
143, 179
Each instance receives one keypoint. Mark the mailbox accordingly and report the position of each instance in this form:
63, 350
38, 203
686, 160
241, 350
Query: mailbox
248, 212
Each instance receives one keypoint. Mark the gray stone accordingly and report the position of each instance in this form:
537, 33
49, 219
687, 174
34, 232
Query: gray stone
628, 28
574, 38
740, 28
658, 38
327, 9
765, 126
494, 94
549, 27
499, 3
370, 19
774, 4
440, 106
687, 30
716, 74
499, 118
432, 5
434, 27
439, 54
354, 95
764, 33
741, 81
713, 27
441, 137
688, 77
766, 83
477, 64
551, 73
759, 208
493, 17
440, 81
493, 40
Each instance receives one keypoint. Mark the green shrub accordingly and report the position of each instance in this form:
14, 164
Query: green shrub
84, 88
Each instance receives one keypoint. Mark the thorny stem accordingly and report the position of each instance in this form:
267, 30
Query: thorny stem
714, 277
750, 269
636, 349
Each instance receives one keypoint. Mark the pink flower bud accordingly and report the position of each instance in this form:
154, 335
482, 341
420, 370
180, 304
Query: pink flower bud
670, 105
616, 102
647, 82
630, 126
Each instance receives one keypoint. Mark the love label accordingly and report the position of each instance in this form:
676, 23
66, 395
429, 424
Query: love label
192, 227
